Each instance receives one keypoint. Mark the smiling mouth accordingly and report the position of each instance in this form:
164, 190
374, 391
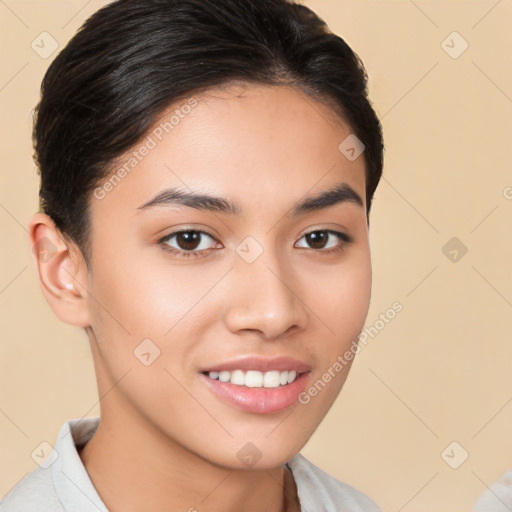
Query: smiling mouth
255, 378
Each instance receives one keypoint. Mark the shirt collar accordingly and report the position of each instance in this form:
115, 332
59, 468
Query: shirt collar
70, 478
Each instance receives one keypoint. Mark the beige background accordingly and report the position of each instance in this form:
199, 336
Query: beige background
440, 371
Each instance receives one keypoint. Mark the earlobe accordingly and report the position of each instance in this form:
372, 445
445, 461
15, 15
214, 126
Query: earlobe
61, 271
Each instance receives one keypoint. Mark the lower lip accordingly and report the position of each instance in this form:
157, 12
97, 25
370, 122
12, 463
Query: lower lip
258, 400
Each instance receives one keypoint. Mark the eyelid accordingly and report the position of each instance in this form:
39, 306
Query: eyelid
178, 231
342, 233
187, 229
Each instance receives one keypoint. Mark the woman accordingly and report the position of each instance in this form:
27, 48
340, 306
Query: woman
207, 171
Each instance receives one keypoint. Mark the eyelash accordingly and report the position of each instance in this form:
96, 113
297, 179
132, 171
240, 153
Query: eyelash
345, 239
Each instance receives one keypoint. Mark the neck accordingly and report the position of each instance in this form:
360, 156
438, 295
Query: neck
134, 467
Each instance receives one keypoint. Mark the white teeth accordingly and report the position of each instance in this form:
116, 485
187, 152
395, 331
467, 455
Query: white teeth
253, 379
223, 376
238, 377
271, 379
256, 379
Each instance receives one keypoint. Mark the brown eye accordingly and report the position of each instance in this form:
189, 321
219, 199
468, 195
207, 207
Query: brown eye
189, 241
317, 239
325, 240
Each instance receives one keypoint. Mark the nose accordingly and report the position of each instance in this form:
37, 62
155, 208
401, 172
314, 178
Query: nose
264, 298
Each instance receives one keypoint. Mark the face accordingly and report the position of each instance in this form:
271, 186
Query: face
216, 316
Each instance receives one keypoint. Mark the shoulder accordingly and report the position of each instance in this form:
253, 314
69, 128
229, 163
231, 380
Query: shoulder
33, 493
498, 497
315, 487
61, 483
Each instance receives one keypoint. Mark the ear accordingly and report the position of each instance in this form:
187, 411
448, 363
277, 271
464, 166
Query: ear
61, 270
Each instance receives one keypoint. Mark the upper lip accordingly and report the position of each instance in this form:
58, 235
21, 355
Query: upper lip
262, 364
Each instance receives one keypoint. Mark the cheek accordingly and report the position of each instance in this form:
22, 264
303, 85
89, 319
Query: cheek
148, 294
145, 323
356, 299
344, 300
343, 307
151, 299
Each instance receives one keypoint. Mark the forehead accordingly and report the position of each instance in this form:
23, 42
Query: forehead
265, 145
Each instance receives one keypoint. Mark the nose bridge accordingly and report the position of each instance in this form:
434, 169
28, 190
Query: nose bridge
263, 296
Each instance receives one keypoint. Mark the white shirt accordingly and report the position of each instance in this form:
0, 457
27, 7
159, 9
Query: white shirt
498, 497
62, 484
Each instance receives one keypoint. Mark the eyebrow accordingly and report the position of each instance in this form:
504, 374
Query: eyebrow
341, 193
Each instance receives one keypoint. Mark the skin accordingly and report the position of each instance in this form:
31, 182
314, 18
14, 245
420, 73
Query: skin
165, 441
